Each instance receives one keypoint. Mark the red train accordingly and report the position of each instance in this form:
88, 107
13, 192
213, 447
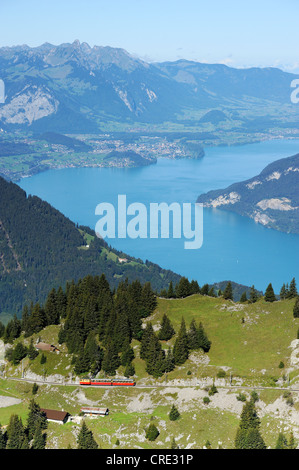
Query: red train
112, 382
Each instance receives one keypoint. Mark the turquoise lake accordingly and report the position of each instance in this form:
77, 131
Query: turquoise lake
234, 247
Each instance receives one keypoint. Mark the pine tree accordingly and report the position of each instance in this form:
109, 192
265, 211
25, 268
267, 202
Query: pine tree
193, 338
228, 291
174, 445
111, 360
148, 300
194, 287
166, 331
169, 364
180, 348
152, 432
15, 433
127, 354
204, 342
253, 295
205, 289
146, 340
296, 308
283, 292
36, 418
292, 289
269, 294
85, 438
183, 288
174, 414
51, 310
170, 292
243, 297
32, 353
2, 439
129, 370
39, 438
248, 434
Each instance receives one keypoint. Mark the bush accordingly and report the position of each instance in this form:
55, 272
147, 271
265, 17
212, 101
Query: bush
241, 397
221, 374
206, 400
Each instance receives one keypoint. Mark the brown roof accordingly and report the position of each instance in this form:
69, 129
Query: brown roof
54, 414
45, 347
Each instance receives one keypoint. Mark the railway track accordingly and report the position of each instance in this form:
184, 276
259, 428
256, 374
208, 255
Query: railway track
149, 386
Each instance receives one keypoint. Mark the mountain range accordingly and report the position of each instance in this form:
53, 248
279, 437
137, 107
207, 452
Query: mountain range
76, 88
271, 198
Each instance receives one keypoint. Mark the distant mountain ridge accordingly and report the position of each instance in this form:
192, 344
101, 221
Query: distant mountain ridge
73, 87
271, 198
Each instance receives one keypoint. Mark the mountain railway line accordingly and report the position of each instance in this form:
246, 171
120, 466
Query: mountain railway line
142, 386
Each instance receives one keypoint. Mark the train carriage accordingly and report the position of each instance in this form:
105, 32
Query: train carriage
109, 382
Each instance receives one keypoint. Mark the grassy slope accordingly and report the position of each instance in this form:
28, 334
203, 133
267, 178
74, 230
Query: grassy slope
249, 347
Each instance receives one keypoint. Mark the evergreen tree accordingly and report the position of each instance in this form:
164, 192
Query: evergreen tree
248, 434
180, 348
15, 433
283, 292
183, 288
243, 297
169, 364
39, 438
152, 432
269, 294
148, 300
155, 360
37, 320
205, 289
19, 352
170, 292
51, 308
36, 418
174, 445
111, 360
292, 293
211, 292
228, 291
147, 337
253, 295
296, 308
166, 331
194, 287
127, 354
129, 370
85, 438
174, 414
12, 330
291, 442
204, 342
193, 338
2, 439
281, 442
32, 353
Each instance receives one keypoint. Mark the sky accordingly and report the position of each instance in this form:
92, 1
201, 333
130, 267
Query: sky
236, 33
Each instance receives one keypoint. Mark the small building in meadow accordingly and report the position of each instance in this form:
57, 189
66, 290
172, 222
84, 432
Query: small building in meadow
46, 347
56, 416
93, 411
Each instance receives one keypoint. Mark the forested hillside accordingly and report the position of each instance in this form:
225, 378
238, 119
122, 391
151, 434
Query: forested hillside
40, 248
